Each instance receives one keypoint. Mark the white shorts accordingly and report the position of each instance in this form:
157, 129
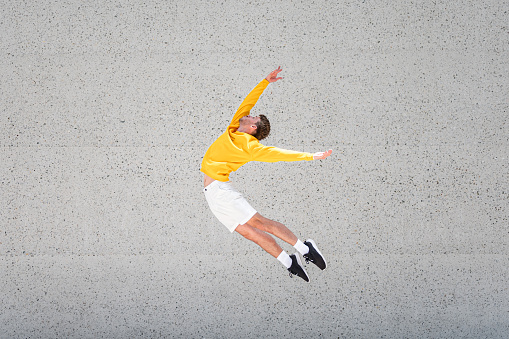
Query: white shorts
228, 205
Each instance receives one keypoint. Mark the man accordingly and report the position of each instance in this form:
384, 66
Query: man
238, 145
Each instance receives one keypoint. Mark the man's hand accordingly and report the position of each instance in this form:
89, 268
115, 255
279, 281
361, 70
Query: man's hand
321, 155
272, 77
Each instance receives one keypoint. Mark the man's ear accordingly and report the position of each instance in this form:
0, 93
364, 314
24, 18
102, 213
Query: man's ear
253, 129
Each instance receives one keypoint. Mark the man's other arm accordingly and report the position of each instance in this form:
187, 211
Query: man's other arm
275, 154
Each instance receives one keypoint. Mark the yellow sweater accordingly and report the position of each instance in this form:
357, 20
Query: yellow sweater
234, 149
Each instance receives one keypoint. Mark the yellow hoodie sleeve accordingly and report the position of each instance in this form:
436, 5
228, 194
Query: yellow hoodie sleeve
249, 102
263, 153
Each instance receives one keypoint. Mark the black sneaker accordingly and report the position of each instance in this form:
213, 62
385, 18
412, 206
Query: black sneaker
297, 268
314, 255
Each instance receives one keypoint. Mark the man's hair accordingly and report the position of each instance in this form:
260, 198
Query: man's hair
262, 128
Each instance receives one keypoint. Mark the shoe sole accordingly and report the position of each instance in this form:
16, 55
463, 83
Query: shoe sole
316, 249
301, 266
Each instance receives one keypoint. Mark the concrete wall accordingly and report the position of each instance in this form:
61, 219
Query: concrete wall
108, 107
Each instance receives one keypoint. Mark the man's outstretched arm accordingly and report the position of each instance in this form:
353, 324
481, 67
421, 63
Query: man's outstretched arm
274, 154
251, 99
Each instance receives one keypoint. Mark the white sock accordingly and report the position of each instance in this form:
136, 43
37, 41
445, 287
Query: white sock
299, 246
285, 259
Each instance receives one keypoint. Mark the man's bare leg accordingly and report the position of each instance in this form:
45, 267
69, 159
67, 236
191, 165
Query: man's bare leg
308, 249
268, 243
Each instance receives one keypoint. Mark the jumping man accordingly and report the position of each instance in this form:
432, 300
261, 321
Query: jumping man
238, 145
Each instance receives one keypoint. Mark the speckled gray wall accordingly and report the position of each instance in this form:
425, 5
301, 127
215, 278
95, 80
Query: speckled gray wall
108, 107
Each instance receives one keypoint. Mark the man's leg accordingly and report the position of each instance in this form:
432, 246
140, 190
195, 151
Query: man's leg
265, 241
308, 249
